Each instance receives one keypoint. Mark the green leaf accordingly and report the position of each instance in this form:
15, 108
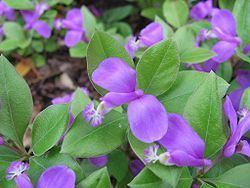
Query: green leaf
40, 164
237, 177
241, 12
169, 174
98, 179
186, 179
185, 38
79, 102
37, 45
14, 31
20, 5
8, 45
203, 111
39, 60
151, 12
103, 46
245, 99
146, 179
185, 85
176, 12
243, 56
89, 21
6, 157
225, 164
118, 13
225, 71
83, 140
158, 68
196, 55
15, 103
227, 4
79, 50
123, 28
50, 45
168, 32
66, 2
48, 127
117, 168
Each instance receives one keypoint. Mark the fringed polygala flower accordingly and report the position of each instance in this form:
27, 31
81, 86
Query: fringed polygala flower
132, 46
184, 146
7, 12
146, 115
151, 34
202, 10
235, 143
16, 171
99, 161
57, 177
243, 79
31, 17
74, 24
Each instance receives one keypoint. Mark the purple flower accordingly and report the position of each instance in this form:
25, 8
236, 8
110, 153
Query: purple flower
32, 20
6, 11
243, 79
246, 49
202, 10
58, 23
132, 46
136, 166
1, 140
151, 34
1, 32
184, 146
146, 115
94, 117
99, 161
16, 171
74, 24
235, 143
57, 177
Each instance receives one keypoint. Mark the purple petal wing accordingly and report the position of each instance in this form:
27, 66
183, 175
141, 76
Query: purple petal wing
231, 114
23, 181
199, 11
114, 75
148, 119
113, 99
151, 34
224, 50
10, 14
62, 100
72, 38
57, 177
210, 65
42, 28
243, 78
235, 97
181, 158
245, 148
75, 16
28, 16
99, 161
224, 22
181, 136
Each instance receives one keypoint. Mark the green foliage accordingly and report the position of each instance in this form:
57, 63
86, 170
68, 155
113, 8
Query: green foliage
15, 103
48, 127
158, 61
20, 4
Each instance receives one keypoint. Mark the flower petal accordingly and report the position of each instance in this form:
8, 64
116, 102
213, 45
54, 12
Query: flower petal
151, 34
224, 50
243, 78
62, 100
23, 181
57, 177
181, 158
245, 148
235, 97
136, 166
113, 99
148, 119
200, 11
231, 114
72, 38
42, 28
99, 161
224, 21
114, 75
75, 16
181, 136
28, 16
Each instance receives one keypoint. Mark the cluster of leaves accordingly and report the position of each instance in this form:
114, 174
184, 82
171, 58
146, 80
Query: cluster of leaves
198, 96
